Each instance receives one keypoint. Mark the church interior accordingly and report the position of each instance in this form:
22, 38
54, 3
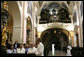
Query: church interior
54, 22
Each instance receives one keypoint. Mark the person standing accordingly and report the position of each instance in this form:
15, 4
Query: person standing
69, 48
40, 48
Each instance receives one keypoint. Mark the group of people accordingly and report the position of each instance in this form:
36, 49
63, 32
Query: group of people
37, 49
19, 48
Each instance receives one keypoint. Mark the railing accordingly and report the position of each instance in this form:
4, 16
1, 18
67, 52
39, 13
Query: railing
46, 21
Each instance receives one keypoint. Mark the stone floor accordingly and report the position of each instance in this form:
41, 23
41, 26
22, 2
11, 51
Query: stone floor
57, 53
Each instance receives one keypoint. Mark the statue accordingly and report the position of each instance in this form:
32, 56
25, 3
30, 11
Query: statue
4, 36
4, 20
3, 40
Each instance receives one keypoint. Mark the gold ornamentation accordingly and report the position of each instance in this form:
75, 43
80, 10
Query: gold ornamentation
4, 36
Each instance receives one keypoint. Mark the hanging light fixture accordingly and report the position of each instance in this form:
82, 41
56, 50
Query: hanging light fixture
54, 31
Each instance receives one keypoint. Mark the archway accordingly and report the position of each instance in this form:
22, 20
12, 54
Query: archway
54, 36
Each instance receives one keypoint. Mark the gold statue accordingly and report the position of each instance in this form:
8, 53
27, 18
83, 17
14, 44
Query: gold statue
4, 36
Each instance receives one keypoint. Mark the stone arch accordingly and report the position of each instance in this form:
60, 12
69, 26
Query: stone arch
61, 29
48, 40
